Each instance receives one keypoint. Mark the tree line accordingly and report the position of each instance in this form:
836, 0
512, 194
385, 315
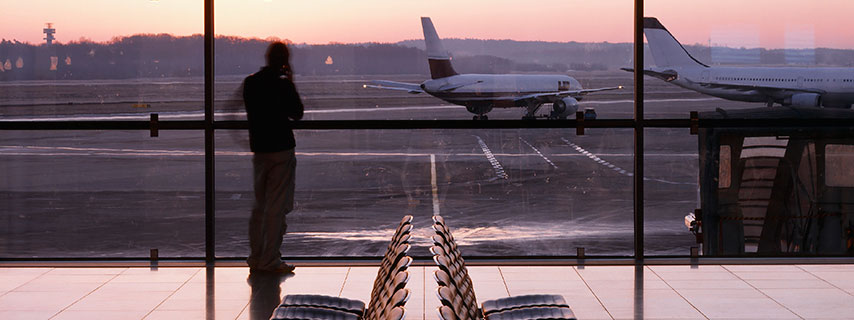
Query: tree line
166, 56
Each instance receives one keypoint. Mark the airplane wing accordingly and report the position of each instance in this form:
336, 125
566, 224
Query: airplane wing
550, 96
670, 75
457, 86
771, 91
666, 75
413, 88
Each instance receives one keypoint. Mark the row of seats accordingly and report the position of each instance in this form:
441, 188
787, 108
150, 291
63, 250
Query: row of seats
389, 293
456, 291
388, 296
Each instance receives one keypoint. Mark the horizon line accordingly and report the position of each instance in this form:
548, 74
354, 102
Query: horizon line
288, 41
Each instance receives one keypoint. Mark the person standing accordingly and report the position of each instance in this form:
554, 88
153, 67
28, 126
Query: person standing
272, 104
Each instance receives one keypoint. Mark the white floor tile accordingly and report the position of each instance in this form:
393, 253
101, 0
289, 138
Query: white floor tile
735, 304
815, 303
593, 292
100, 314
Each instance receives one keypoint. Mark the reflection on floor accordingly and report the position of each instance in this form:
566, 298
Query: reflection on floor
594, 292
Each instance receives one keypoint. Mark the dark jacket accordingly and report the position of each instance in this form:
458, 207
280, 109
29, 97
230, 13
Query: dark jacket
271, 101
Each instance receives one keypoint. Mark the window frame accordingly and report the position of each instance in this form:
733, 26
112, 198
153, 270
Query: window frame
638, 123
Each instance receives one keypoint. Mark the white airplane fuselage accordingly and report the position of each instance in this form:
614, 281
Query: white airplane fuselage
788, 86
480, 93
835, 86
496, 90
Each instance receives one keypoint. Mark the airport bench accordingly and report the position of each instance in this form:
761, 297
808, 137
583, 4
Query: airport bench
456, 292
388, 295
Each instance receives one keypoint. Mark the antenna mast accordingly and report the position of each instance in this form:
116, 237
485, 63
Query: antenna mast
49, 31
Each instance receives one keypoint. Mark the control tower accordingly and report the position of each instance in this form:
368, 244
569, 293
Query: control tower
49, 31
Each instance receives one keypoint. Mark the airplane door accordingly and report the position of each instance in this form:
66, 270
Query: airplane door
704, 77
800, 82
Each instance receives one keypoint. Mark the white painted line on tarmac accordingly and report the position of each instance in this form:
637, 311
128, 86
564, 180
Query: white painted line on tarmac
538, 152
499, 170
435, 186
616, 169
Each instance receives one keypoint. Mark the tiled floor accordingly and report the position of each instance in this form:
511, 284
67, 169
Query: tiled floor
594, 292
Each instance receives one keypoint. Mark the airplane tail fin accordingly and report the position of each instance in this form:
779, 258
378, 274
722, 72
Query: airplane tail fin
437, 56
666, 50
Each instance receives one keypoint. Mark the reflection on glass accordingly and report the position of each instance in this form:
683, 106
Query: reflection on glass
121, 57
83, 194
733, 61
508, 192
763, 191
342, 57
839, 163
725, 167
777, 202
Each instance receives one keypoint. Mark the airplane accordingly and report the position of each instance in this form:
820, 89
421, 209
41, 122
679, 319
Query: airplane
480, 93
787, 86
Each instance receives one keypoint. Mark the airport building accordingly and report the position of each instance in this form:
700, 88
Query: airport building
449, 166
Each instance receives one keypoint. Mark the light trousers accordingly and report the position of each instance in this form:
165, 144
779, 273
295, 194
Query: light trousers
274, 174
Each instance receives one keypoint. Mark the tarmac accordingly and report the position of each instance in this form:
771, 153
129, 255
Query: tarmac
507, 192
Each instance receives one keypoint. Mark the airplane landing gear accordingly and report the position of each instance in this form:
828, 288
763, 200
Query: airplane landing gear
532, 112
556, 116
480, 117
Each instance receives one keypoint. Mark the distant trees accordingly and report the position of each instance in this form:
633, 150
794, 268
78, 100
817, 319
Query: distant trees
165, 55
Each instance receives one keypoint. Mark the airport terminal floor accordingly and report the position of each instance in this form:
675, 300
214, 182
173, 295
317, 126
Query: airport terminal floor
593, 292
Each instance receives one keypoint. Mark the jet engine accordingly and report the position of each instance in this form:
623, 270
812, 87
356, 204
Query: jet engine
803, 100
564, 108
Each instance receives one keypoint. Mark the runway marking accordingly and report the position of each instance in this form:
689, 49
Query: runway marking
435, 186
499, 170
538, 152
617, 169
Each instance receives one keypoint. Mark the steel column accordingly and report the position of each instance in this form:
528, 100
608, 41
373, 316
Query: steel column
210, 244
639, 125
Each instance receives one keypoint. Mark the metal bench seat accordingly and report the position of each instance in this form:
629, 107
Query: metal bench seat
523, 301
533, 314
456, 292
311, 313
388, 295
315, 300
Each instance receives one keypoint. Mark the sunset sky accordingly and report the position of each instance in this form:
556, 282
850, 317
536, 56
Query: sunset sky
751, 23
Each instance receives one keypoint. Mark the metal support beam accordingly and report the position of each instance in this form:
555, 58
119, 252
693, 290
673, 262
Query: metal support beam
210, 244
639, 125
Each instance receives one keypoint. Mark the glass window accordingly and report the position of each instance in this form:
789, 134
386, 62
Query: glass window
104, 193
369, 60
726, 64
839, 165
101, 60
514, 192
708, 56
670, 190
